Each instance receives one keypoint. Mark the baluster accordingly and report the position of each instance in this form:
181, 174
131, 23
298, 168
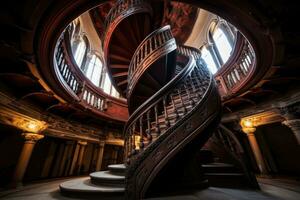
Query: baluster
191, 101
146, 47
133, 139
155, 42
175, 108
130, 142
193, 87
182, 103
150, 45
149, 138
141, 133
167, 122
156, 120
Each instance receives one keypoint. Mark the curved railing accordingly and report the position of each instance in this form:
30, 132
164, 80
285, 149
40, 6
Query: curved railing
228, 140
157, 44
235, 74
165, 123
189, 51
120, 11
83, 91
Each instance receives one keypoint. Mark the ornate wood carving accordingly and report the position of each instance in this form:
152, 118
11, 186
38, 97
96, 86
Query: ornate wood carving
156, 45
146, 161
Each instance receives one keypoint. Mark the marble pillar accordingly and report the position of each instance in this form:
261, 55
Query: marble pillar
100, 155
80, 156
22, 164
75, 158
256, 149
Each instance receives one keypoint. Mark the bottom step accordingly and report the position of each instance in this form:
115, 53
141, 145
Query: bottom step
84, 186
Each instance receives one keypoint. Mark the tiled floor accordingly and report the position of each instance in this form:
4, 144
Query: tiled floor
272, 189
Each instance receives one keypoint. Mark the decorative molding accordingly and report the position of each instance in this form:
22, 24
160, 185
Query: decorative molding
32, 137
18, 115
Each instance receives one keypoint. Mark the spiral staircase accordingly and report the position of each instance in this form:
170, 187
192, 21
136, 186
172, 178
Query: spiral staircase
173, 103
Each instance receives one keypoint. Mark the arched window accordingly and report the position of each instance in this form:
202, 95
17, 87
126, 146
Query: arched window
220, 43
206, 55
94, 70
80, 52
88, 61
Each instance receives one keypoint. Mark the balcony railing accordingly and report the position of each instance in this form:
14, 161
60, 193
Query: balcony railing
238, 70
120, 11
83, 91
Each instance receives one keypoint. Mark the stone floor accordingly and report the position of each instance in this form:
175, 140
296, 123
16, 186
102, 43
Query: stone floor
272, 189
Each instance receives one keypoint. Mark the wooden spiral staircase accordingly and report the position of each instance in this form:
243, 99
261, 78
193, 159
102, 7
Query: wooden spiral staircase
173, 100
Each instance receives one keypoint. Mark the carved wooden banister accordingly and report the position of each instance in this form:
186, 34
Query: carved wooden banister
189, 51
237, 71
83, 91
163, 116
120, 11
184, 85
156, 45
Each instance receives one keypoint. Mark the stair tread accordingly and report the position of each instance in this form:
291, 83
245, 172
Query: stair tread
117, 166
106, 175
224, 174
83, 185
217, 165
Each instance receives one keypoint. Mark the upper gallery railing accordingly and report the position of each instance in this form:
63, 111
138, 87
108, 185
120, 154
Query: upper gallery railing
120, 11
156, 45
77, 85
237, 70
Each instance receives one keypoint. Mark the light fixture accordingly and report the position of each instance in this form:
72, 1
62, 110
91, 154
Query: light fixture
248, 123
32, 126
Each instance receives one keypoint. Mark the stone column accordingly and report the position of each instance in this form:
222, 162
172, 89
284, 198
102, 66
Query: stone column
291, 115
49, 160
114, 155
58, 159
100, 155
75, 158
68, 147
294, 125
256, 149
80, 156
30, 141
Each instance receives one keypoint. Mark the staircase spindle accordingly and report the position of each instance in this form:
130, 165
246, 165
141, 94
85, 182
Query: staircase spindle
182, 102
141, 133
191, 101
175, 108
156, 120
167, 122
148, 127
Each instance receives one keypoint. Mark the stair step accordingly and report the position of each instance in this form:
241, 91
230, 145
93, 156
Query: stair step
119, 169
84, 186
107, 178
219, 168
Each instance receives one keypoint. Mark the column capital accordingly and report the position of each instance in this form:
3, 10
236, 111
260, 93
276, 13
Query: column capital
101, 144
249, 130
32, 137
83, 143
292, 123
290, 112
247, 126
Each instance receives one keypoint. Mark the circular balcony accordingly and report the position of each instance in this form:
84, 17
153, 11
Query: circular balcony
83, 90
